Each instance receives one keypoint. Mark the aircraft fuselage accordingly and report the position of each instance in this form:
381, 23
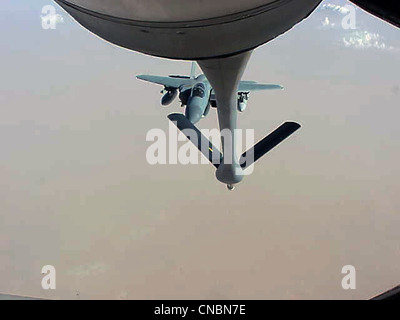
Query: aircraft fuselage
198, 100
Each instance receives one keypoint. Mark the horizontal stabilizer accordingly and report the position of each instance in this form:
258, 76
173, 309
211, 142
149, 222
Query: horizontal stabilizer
197, 138
268, 143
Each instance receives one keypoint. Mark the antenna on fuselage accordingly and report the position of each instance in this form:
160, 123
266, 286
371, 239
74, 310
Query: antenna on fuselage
193, 71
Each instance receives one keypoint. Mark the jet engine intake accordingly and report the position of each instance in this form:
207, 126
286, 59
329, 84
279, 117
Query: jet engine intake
169, 96
243, 99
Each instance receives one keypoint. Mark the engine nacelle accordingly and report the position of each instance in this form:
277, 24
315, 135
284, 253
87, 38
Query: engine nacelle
184, 96
169, 97
242, 103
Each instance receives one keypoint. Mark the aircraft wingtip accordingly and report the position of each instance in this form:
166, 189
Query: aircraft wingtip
141, 77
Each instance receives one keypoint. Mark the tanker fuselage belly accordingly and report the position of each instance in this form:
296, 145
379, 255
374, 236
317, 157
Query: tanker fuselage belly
198, 39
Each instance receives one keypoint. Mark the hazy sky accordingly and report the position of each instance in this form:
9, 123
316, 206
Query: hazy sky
76, 191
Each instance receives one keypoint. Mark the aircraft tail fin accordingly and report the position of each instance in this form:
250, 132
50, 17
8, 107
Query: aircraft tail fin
197, 138
193, 70
268, 143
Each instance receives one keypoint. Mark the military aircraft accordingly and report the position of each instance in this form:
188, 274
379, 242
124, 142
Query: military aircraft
196, 93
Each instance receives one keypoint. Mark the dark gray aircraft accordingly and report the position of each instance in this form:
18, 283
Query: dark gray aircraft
196, 93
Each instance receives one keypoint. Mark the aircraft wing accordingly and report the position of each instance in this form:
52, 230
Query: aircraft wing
171, 82
248, 86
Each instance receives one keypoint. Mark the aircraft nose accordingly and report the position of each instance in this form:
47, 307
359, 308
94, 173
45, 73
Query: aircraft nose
193, 112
